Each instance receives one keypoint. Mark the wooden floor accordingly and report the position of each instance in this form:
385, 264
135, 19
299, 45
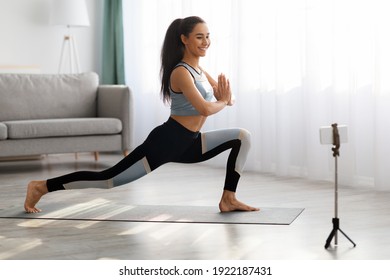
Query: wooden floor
364, 216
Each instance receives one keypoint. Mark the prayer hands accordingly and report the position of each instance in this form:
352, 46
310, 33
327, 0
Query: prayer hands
222, 91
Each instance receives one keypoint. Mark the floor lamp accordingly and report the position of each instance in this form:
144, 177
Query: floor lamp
69, 48
69, 13
335, 135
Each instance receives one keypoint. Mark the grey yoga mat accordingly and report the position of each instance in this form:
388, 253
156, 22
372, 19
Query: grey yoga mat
111, 211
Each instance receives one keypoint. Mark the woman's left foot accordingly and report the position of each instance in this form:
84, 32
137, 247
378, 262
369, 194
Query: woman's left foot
35, 190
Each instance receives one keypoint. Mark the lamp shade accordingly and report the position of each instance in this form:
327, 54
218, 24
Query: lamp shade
69, 13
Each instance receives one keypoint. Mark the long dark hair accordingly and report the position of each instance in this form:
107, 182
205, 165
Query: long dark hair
173, 49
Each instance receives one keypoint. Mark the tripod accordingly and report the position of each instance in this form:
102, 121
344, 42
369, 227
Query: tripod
335, 220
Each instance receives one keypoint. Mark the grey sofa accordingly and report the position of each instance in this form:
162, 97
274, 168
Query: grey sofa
65, 113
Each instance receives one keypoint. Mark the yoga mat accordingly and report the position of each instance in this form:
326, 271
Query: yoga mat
111, 211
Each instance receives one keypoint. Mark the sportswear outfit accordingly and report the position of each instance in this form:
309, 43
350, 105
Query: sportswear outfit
169, 142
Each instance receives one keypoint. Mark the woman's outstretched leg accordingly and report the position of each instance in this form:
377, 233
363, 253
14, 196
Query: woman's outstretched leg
83, 179
128, 169
164, 144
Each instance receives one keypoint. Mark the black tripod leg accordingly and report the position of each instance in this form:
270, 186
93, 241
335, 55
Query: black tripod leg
329, 239
335, 222
354, 245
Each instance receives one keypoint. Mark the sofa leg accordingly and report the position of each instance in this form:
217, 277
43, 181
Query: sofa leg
125, 153
76, 156
96, 156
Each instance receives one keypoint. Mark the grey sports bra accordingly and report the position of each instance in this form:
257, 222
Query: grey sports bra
180, 106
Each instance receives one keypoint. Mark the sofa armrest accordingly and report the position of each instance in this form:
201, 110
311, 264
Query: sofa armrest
116, 101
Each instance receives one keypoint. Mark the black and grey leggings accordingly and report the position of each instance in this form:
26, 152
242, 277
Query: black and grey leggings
169, 142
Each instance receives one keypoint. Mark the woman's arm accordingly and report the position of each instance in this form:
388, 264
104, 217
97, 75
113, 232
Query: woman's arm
182, 81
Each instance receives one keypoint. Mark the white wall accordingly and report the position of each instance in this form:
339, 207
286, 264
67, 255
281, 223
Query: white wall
27, 39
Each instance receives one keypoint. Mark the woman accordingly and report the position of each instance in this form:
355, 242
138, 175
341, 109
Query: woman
190, 90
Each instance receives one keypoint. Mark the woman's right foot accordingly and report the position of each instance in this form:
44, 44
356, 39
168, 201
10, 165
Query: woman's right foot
230, 203
35, 190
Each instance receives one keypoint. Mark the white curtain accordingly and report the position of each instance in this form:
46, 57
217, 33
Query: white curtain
295, 65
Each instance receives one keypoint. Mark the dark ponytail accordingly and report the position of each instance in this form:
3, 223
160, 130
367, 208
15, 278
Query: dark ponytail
173, 49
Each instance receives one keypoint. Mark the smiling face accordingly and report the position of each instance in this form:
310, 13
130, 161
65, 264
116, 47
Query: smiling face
198, 41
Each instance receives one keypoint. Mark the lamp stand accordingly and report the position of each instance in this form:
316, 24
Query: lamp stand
69, 47
336, 220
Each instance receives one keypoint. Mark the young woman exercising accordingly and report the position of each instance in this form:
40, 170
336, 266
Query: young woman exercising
190, 91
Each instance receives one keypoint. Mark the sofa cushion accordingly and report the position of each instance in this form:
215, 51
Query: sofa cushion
3, 131
62, 127
47, 96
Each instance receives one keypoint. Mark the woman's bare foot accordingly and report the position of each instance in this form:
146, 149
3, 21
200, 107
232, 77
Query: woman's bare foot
230, 203
35, 190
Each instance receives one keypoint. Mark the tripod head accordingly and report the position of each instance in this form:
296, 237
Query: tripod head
334, 135
336, 140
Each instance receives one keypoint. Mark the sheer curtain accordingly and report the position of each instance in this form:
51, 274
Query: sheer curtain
295, 65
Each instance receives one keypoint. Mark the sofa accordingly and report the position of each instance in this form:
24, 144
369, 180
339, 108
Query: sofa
63, 113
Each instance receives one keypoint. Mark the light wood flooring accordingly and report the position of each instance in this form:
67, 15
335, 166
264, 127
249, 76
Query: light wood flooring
364, 217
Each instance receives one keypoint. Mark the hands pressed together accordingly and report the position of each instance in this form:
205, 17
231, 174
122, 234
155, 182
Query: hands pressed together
223, 92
